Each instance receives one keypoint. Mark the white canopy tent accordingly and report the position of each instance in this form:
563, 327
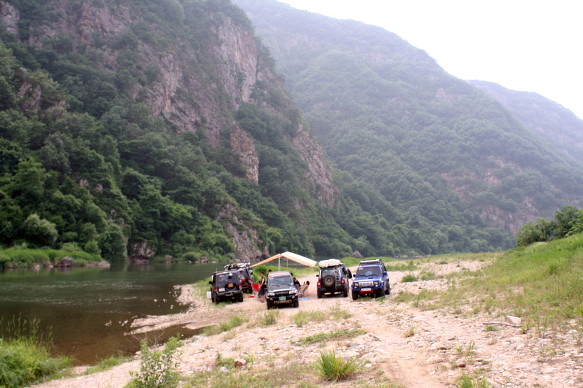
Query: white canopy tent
291, 256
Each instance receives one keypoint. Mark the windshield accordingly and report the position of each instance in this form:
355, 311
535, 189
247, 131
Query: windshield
281, 281
368, 271
226, 278
329, 271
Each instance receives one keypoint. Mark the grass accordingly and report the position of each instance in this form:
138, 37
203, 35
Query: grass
466, 381
334, 368
24, 257
231, 323
541, 283
410, 332
107, 364
409, 278
277, 374
24, 354
301, 318
332, 336
269, 318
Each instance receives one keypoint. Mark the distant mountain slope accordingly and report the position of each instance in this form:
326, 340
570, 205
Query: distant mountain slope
448, 159
551, 121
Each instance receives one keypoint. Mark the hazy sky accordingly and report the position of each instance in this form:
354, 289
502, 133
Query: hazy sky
534, 45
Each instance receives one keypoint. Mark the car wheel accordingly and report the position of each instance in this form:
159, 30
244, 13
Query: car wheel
296, 303
354, 295
345, 292
388, 289
268, 305
328, 281
381, 292
240, 298
319, 294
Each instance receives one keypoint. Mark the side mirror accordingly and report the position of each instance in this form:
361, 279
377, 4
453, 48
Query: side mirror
349, 274
318, 276
211, 282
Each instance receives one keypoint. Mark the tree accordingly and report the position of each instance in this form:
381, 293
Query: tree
38, 231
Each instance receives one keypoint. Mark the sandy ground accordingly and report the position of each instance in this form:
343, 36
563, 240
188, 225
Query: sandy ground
401, 344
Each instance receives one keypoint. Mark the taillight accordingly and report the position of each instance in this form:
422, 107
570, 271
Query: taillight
342, 281
319, 284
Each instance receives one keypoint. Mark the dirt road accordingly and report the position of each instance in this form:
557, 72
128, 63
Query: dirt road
396, 343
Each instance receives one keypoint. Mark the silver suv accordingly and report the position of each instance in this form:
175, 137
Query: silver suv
333, 278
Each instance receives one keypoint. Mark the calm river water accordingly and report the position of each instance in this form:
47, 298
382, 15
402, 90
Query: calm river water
88, 311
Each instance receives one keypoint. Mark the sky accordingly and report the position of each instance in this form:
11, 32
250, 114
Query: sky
532, 46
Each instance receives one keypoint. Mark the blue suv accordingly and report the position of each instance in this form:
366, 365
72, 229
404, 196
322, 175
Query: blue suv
371, 279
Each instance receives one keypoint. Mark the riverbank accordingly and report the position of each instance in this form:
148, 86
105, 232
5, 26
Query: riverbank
37, 259
409, 339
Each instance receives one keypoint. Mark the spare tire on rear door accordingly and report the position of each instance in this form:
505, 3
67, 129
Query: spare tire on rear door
328, 280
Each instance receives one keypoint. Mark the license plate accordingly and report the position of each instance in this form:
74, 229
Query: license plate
365, 289
282, 298
221, 289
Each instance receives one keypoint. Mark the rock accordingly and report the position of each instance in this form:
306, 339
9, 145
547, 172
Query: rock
239, 362
513, 320
64, 262
460, 363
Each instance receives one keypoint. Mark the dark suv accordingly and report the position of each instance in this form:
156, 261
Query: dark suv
226, 285
371, 278
245, 274
281, 290
333, 278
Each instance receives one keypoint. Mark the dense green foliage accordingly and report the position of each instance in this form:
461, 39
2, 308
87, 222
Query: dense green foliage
24, 354
568, 221
83, 162
546, 118
429, 163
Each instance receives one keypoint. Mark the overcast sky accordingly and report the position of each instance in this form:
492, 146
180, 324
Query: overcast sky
526, 45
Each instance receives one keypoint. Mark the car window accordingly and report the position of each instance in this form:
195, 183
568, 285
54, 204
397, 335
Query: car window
281, 281
368, 271
328, 271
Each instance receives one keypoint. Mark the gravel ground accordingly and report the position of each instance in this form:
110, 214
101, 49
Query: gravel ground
400, 344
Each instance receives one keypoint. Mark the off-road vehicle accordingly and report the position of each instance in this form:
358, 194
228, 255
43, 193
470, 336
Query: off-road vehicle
226, 285
281, 290
333, 278
245, 274
371, 279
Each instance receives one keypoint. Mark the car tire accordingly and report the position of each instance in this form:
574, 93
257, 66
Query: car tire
388, 289
328, 281
345, 294
268, 305
381, 293
319, 294
240, 298
296, 303
354, 295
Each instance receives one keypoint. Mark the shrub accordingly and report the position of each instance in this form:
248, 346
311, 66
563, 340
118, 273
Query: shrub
157, 367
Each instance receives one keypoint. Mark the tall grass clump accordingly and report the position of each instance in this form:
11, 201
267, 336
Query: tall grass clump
157, 367
333, 368
24, 354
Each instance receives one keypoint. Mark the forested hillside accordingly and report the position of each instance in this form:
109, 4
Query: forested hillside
546, 118
449, 166
142, 128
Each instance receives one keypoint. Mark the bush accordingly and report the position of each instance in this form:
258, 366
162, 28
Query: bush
157, 368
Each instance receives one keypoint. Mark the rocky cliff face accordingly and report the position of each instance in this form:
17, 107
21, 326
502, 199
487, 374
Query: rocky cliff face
194, 88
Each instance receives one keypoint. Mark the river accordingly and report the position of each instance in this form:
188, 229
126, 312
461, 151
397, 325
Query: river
87, 312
